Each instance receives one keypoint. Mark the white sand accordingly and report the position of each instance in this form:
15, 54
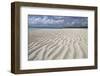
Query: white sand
51, 44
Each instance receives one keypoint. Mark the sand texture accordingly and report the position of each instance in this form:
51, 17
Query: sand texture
52, 44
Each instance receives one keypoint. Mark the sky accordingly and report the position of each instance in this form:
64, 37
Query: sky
50, 21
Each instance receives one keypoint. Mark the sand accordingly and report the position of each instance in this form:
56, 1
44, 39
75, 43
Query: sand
52, 44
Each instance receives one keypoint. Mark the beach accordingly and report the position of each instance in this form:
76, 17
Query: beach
53, 44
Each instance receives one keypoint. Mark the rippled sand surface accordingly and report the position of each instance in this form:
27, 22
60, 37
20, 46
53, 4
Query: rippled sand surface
52, 44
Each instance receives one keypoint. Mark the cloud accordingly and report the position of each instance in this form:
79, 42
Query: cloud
45, 20
59, 17
56, 21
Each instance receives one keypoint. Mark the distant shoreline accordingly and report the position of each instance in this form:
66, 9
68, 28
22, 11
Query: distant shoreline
30, 29
56, 28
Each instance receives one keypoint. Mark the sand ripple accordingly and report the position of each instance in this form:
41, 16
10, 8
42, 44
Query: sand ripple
51, 44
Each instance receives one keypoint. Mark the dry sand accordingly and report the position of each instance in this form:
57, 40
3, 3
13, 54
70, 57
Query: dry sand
52, 44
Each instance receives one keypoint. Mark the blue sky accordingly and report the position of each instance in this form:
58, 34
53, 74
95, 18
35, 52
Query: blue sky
50, 21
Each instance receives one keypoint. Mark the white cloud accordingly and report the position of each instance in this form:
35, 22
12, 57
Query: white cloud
59, 17
44, 20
